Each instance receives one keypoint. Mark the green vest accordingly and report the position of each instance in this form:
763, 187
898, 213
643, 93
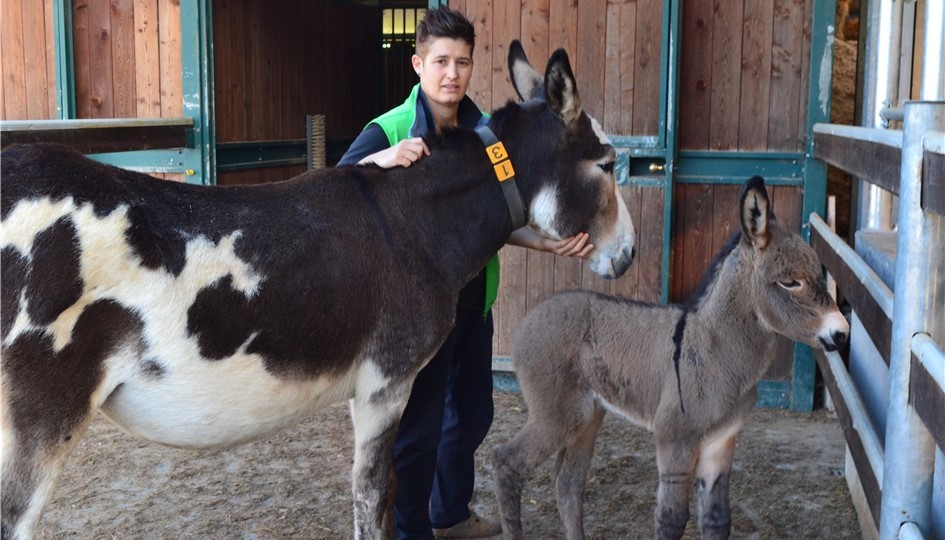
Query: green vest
401, 123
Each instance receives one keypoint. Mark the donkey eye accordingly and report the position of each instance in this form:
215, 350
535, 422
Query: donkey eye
790, 284
607, 167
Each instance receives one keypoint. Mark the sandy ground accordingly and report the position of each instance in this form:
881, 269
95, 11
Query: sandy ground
787, 483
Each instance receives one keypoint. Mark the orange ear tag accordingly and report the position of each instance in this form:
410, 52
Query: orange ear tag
504, 170
497, 152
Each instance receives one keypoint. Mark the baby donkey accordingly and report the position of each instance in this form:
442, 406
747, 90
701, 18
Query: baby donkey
685, 372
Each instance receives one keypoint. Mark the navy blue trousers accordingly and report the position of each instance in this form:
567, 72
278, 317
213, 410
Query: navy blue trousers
447, 417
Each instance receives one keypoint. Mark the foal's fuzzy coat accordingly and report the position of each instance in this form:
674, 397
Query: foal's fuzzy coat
687, 373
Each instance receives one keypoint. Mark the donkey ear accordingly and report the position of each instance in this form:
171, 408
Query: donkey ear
525, 79
560, 87
755, 212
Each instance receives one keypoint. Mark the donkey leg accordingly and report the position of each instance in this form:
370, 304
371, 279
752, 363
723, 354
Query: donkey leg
712, 472
571, 475
33, 459
675, 461
375, 415
512, 465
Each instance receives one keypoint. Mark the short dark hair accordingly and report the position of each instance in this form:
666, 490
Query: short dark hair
445, 22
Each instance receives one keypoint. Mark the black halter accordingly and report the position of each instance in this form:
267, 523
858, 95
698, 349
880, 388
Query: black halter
502, 166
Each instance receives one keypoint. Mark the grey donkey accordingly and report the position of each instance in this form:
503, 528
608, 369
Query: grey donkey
685, 372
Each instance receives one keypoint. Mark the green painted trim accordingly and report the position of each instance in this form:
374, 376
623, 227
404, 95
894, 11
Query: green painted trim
707, 167
815, 171
773, 395
669, 120
818, 107
802, 383
634, 142
197, 66
172, 160
237, 156
64, 60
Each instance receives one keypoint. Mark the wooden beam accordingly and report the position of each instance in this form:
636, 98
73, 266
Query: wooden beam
928, 400
933, 182
871, 487
870, 160
871, 315
98, 136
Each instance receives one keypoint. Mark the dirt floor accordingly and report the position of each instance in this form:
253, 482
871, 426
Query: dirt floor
787, 483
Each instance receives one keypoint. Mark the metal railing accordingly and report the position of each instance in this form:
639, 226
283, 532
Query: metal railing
897, 479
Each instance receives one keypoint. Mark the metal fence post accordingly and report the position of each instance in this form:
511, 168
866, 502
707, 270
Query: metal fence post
910, 450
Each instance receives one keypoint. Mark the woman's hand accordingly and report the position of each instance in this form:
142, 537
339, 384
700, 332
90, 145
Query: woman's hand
576, 246
402, 154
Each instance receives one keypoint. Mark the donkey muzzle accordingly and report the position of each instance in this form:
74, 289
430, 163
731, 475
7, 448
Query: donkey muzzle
613, 266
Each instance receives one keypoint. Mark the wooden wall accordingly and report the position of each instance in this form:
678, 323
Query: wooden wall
127, 58
273, 65
744, 75
28, 81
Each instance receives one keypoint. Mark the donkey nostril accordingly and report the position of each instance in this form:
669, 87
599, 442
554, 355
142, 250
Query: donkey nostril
839, 338
633, 253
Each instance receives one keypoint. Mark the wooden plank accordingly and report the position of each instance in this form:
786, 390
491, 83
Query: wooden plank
124, 68
590, 55
805, 39
786, 62
147, 60
14, 63
871, 488
695, 76
726, 74
562, 29
506, 26
52, 99
647, 67
756, 76
535, 28
933, 183
480, 87
693, 238
3, 113
511, 301
874, 320
101, 68
81, 54
169, 50
650, 242
628, 24
34, 41
103, 139
787, 202
868, 160
926, 396
610, 110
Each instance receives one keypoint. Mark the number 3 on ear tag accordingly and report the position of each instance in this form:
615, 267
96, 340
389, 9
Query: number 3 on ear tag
497, 152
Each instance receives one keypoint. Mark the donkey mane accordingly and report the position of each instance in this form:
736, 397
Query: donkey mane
708, 278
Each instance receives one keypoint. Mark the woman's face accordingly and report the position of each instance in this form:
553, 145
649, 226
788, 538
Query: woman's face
445, 70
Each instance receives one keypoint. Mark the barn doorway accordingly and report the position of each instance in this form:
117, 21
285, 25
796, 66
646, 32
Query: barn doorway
398, 33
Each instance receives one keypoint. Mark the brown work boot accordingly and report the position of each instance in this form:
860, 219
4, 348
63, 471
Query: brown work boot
474, 526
